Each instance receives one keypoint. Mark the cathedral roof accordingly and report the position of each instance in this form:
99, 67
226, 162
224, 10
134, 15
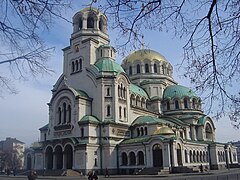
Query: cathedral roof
88, 119
165, 130
44, 128
178, 91
143, 54
151, 120
108, 65
138, 90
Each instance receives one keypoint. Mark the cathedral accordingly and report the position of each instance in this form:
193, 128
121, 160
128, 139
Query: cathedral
132, 118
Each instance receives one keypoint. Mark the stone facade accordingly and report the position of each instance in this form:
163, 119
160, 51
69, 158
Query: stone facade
128, 118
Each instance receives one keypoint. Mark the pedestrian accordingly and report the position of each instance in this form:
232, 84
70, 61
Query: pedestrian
32, 175
8, 171
201, 168
95, 177
106, 172
90, 175
44, 171
15, 171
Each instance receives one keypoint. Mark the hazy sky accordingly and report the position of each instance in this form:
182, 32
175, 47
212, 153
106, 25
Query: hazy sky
24, 113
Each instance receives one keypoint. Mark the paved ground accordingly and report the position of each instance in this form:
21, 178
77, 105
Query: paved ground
233, 174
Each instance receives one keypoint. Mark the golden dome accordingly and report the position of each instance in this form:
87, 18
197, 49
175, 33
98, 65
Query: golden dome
143, 54
164, 131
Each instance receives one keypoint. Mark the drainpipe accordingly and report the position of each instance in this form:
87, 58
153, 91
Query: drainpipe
145, 148
209, 157
170, 148
117, 149
100, 145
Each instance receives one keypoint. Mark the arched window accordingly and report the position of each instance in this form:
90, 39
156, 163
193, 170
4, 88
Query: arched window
80, 64
146, 131
64, 113
191, 156
108, 91
120, 112
124, 159
132, 158
168, 105
197, 159
155, 68
59, 115
176, 104
204, 157
119, 91
80, 24
142, 131
138, 68
130, 70
82, 132
185, 103
163, 69
69, 113
194, 156
108, 110
146, 68
124, 92
124, 113
186, 157
95, 162
140, 158
209, 132
90, 22
194, 103
138, 132
100, 25
76, 63
73, 67
201, 157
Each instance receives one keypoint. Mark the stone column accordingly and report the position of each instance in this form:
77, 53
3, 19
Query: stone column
174, 155
54, 161
64, 160
166, 156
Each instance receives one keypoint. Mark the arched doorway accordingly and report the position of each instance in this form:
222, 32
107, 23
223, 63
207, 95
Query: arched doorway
69, 156
230, 156
49, 158
29, 162
157, 156
132, 158
179, 155
59, 157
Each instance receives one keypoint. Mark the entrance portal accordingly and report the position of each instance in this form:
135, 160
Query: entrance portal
157, 156
29, 162
49, 158
69, 156
179, 155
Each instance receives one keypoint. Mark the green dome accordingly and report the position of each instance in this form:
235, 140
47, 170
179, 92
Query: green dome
88, 119
178, 91
108, 65
141, 120
138, 90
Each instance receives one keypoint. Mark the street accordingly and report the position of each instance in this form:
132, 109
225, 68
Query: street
233, 174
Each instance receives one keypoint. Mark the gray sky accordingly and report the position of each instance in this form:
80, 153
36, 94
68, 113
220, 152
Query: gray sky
23, 114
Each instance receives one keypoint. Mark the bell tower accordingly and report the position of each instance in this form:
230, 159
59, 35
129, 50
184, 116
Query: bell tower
89, 33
